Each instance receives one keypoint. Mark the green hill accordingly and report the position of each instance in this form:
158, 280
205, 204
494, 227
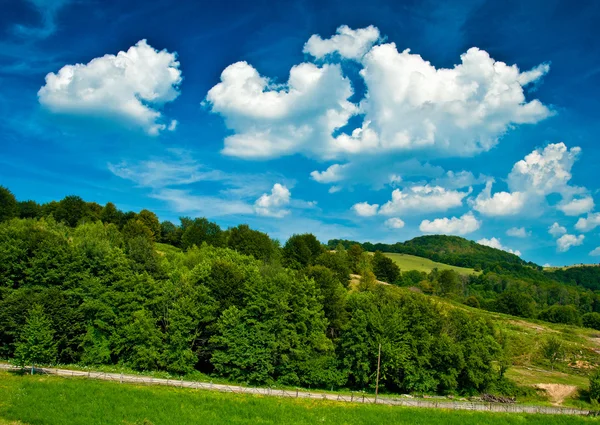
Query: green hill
412, 262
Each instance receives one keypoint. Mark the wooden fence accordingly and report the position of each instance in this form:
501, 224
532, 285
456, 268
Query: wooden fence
352, 398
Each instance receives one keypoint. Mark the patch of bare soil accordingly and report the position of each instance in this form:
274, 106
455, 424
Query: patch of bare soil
557, 392
356, 278
524, 324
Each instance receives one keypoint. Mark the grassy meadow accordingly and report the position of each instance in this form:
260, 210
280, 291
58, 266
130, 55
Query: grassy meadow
47, 400
412, 262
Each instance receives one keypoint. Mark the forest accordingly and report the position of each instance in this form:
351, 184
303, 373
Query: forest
82, 283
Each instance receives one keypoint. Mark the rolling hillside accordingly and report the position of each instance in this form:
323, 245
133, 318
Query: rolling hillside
412, 262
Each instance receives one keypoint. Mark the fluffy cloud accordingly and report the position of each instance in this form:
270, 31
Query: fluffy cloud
349, 43
518, 232
565, 242
334, 173
495, 243
540, 173
545, 171
451, 226
271, 120
422, 199
500, 204
394, 223
129, 87
577, 206
365, 209
556, 230
410, 104
590, 223
273, 205
595, 252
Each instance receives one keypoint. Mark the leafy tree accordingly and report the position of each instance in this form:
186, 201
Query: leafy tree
252, 242
336, 262
449, 282
413, 277
301, 250
170, 233
71, 210
110, 214
354, 254
385, 268
36, 342
566, 314
516, 304
8, 205
552, 350
200, 230
333, 295
29, 209
595, 386
150, 220
472, 301
591, 320
135, 228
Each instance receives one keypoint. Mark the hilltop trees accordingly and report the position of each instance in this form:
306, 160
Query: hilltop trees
8, 205
385, 269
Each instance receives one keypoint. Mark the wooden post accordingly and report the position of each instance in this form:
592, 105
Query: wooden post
378, 367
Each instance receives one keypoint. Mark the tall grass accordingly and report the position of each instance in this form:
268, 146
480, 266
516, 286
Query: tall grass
48, 400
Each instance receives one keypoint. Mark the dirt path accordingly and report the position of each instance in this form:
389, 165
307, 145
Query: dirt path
557, 392
353, 398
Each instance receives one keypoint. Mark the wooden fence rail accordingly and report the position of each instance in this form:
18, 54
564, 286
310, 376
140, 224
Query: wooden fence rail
353, 398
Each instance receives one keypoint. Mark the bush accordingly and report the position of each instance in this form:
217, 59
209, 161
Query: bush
566, 314
591, 320
595, 386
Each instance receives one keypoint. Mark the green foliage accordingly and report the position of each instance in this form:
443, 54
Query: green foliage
591, 320
8, 205
515, 303
566, 314
150, 220
594, 389
472, 301
247, 241
301, 251
71, 210
385, 269
36, 343
553, 350
200, 230
338, 262
29, 209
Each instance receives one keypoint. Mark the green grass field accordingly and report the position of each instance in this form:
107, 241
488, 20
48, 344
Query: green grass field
35, 400
411, 262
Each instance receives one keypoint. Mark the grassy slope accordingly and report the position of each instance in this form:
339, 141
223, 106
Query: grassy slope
411, 262
59, 401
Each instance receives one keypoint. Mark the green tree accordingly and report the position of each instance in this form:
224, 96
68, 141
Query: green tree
595, 386
515, 303
36, 342
200, 230
8, 205
449, 282
552, 350
354, 254
110, 214
29, 209
151, 221
591, 320
385, 268
170, 233
247, 241
71, 210
301, 250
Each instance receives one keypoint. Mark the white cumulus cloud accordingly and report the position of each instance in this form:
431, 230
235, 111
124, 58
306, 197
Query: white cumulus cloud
130, 87
410, 104
349, 43
271, 120
518, 232
587, 224
332, 174
365, 209
556, 230
565, 242
500, 204
451, 226
394, 223
577, 206
273, 205
495, 243
595, 252
422, 199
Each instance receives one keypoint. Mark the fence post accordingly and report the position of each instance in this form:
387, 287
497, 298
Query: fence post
296, 392
121, 379
352, 396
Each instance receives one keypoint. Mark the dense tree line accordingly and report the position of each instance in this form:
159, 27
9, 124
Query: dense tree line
89, 284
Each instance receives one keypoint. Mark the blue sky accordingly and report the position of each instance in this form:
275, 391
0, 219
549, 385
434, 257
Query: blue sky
378, 121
